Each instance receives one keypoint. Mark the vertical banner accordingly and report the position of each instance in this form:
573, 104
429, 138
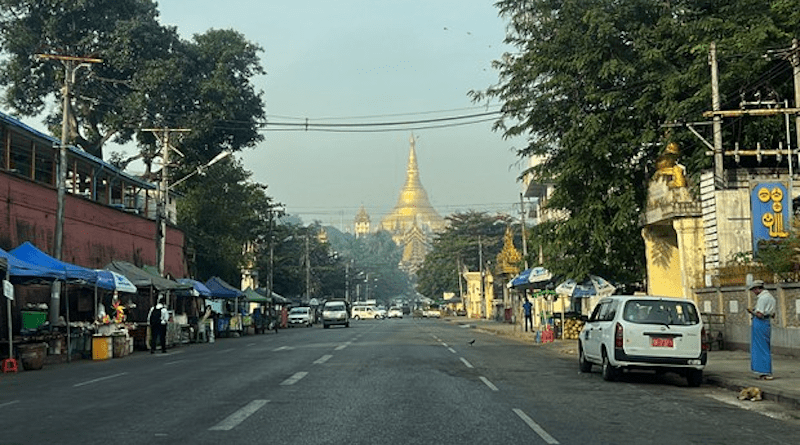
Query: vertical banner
769, 205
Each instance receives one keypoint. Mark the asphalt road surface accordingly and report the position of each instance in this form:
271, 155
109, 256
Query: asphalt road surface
406, 381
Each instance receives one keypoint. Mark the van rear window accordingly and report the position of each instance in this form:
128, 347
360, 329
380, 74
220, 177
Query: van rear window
661, 312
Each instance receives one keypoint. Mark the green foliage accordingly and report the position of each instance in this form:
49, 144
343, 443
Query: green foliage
149, 77
469, 238
589, 87
219, 213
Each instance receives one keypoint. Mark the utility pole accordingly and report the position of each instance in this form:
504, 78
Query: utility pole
524, 231
480, 268
71, 65
308, 270
717, 120
162, 134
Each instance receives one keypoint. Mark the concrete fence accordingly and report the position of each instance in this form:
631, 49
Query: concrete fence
732, 302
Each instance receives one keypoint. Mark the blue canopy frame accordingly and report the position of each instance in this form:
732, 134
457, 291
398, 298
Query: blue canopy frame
30, 253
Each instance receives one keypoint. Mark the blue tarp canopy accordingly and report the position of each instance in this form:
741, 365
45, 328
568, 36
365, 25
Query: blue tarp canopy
30, 253
198, 289
18, 268
220, 289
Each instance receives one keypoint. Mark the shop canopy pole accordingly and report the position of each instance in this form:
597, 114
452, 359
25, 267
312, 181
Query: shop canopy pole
8, 310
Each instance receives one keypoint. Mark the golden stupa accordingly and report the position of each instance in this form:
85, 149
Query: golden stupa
413, 220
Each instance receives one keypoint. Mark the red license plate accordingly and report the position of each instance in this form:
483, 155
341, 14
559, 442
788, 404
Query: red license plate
661, 342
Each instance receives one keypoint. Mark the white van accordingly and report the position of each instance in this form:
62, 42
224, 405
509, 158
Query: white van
644, 332
365, 312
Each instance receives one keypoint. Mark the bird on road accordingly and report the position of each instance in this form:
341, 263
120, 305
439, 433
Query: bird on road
471, 342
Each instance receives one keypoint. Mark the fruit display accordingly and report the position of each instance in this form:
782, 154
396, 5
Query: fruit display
572, 328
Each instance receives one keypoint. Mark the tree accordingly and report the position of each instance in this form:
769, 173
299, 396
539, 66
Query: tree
590, 86
468, 237
221, 212
149, 76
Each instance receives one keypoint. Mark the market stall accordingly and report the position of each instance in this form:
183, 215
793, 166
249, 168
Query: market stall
231, 317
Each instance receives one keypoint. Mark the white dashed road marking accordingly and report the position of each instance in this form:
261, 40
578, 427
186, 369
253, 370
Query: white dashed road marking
535, 427
98, 380
489, 384
322, 359
239, 416
451, 350
468, 364
294, 379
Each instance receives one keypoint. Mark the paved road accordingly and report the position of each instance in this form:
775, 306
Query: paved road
393, 381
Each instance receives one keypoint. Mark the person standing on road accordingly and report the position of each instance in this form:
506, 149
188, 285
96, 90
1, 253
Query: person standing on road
527, 308
158, 318
760, 353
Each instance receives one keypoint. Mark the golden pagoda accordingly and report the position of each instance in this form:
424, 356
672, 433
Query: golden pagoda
413, 220
361, 222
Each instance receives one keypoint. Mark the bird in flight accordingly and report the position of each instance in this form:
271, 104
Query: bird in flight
471, 342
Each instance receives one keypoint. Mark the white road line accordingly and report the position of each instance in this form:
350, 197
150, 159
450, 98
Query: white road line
239, 416
174, 362
3, 405
535, 427
489, 384
466, 362
340, 347
451, 350
322, 359
283, 348
294, 379
98, 380
444, 344
225, 351
252, 344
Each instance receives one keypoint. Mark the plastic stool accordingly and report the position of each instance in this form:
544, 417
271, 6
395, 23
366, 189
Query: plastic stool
9, 365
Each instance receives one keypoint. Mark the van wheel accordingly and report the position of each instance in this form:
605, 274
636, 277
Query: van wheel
347, 325
326, 326
694, 377
583, 364
610, 373
356, 317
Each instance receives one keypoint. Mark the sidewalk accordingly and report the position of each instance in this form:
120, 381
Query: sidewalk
726, 369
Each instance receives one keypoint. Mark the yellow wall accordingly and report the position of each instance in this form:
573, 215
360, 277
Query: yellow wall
663, 261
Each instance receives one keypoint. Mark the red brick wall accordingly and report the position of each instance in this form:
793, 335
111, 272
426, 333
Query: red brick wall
94, 234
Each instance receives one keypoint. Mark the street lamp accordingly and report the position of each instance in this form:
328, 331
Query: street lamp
161, 217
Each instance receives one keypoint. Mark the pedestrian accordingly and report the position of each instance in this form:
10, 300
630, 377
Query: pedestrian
526, 307
158, 318
764, 311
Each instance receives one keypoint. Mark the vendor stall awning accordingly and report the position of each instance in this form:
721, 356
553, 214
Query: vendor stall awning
142, 278
30, 253
20, 269
530, 278
198, 288
220, 289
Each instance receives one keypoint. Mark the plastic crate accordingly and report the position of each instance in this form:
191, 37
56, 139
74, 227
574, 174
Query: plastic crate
33, 319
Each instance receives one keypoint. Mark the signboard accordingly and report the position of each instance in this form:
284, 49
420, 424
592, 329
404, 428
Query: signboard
8, 289
769, 205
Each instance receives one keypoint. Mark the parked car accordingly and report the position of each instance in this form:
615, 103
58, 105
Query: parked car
334, 312
644, 332
432, 312
394, 312
300, 315
365, 312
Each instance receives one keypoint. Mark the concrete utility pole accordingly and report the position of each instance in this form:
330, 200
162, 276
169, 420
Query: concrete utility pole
717, 119
162, 134
71, 64
524, 231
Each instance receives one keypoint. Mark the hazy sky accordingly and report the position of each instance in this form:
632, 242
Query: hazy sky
370, 61
391, 60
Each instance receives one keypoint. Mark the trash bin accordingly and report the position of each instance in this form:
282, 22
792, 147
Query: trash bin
32, 355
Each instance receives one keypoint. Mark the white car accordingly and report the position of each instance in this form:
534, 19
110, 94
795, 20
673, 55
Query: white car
394, 312
300, 316
335, 312
644, 332
431, 312
365, 312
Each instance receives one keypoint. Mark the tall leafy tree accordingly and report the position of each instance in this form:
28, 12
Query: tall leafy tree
221, 212
589, 87
468, 238
149, 76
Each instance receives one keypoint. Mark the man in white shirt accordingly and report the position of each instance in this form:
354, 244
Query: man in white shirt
764, 311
